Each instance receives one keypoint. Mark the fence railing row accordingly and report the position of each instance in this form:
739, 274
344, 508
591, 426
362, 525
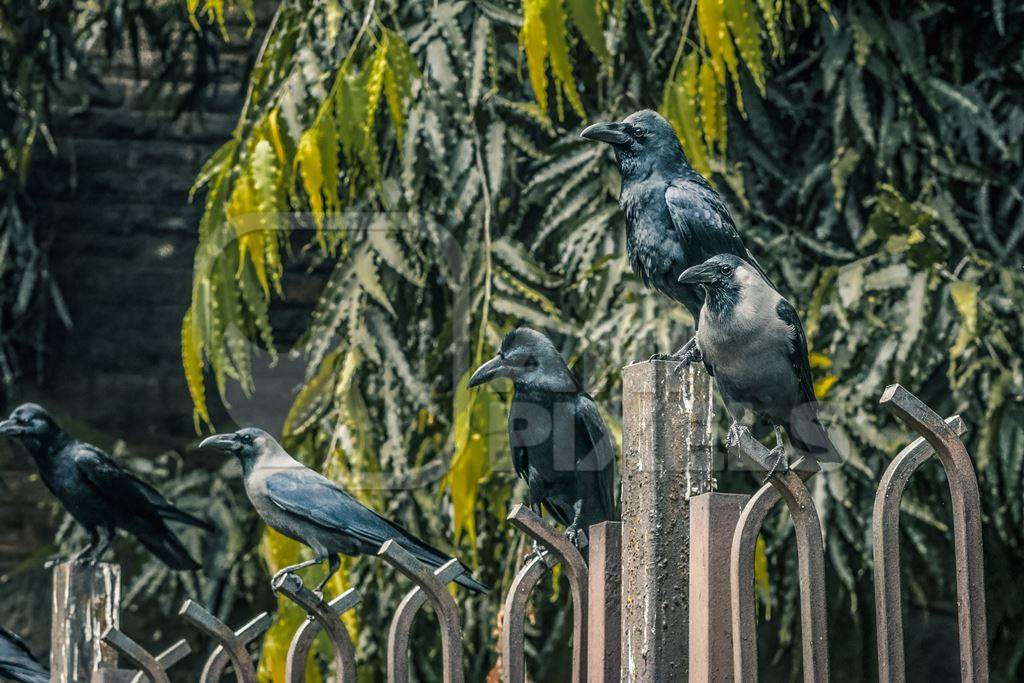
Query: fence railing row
718, 605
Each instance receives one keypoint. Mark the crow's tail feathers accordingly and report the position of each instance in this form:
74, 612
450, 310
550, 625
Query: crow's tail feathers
810, 438
168, 549
175, 515
24, 673
434, 558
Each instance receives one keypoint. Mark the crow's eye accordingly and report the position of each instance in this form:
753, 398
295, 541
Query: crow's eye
639, 133
246, 439
724, 270
530, 362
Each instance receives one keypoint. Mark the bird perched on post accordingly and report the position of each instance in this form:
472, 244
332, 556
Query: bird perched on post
101, 495
313, 510
674, 218
560, 445
17, 662
754, 346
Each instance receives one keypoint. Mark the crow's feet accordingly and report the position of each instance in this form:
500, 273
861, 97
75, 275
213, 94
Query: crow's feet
319, 593
573, 534
777, 463
736, 430
538, 550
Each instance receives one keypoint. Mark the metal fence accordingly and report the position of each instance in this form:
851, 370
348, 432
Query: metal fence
714, 608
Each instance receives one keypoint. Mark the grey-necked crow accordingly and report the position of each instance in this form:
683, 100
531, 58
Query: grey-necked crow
17, 662
313, 510
674, 218
101, 495
560, 445
753, 344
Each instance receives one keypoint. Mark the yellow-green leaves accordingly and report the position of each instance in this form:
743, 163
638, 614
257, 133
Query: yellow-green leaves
544, 39
694, 98
681, 106
475, 439
965, 298
192, 361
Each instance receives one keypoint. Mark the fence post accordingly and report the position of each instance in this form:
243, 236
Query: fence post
86, 602
667, 457
604, 603
713, 519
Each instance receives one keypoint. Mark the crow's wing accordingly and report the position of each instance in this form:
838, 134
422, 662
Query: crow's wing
163, 507
320, 501
798, 356
595, 456
704, 224
17, 662
117, 486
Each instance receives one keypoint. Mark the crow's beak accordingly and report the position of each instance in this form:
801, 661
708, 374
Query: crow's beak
488, 371
612, 133
220, 443
10, 428
697, 275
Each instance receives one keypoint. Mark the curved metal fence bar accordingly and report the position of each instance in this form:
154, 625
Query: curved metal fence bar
401, 623
440, 599
323, 616
788, 486
513, 629
152, 668
234, 647
967, 540
885, 537
218, 659
575, 571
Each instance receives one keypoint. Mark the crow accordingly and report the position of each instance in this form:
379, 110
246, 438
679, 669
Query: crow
99, 494
313, 510
674, 218
17, 662
753, 344
560, 445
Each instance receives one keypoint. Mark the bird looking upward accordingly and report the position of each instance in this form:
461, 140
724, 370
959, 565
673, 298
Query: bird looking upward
313, 510
754, 346
674, 218
560, 445
101, 495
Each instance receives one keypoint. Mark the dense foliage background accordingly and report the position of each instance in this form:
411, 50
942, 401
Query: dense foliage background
423, 161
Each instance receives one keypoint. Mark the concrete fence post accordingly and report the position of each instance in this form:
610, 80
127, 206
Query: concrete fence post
86, 603
667, 458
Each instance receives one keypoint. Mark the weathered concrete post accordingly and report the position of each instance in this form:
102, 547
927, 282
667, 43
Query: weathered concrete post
86, 602
667, 457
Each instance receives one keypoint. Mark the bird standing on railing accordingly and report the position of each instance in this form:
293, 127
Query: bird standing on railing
101, 495
674, 218
754, 346
17, 662
560, 445
313, 510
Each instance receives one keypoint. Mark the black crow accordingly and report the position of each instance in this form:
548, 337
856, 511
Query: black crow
674, 218
560, 445
313, 510
101, 495
753, 344
17, 662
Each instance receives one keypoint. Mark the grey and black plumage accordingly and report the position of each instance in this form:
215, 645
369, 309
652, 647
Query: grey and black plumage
753, 344
560, 445
101, 495
674, 218
17, 662
313, 510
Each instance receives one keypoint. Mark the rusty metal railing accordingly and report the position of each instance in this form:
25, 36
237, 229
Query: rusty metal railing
405, 614
232, 644
942, 438
788, 486
440, 599
559, 551
323, 616
152, 668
